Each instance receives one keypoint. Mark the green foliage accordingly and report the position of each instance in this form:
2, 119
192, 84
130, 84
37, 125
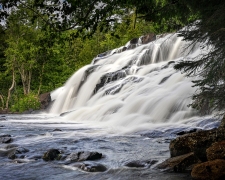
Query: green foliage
26, 102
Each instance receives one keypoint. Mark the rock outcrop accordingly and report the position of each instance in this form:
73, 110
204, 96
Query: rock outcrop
201, 152
45, 100
209, 170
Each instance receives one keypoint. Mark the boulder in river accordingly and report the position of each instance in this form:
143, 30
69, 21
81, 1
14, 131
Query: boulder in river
52, 154
83, 156
91, 167
179, 163
210, 170
196, 142
5, 138
140, 164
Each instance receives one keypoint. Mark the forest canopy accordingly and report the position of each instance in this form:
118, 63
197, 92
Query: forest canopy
59, 23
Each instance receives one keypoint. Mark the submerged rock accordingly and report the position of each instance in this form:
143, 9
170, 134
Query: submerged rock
3, 118
141, 164
5, 138
179, 164
52, 154
210, 170
92, 167
12, 151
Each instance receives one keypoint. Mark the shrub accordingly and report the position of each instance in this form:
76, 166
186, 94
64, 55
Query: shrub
27, 102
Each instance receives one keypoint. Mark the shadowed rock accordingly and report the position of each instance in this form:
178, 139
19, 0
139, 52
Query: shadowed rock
45, 100
91, 167
52, 154
211, 170
140, 164
196, 142
216, 151
83, 156
179, 163
6, 138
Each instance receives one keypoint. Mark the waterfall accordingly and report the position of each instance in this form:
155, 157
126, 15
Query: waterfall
132, 89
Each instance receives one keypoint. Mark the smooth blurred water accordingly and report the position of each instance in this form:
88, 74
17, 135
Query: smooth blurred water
40, 132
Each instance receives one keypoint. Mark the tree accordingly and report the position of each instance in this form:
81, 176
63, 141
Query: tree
211, 66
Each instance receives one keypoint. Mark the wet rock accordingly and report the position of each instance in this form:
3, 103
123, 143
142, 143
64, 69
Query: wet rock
196, 142
73, 157
134, 41
92, 167
148, 38
164, 79
5, 138
216, 151
57, 129
110, 77
45, 100
35, 157
83, 156
153, 134
10, 153
211, 170
86, 155
13, 151
141, 164
52, 154
178, 164
187, 132
2, 118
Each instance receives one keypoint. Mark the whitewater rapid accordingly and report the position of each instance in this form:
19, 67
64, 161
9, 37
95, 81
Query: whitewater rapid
133, 90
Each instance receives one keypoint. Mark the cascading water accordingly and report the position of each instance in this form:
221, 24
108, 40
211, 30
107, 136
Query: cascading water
134, 89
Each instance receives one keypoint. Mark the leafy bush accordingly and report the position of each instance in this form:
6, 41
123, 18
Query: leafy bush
27, 102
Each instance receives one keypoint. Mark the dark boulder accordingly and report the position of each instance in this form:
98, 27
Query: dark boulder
210, 170
141, 164
179, 164
134, 41
52, 154
91, 167
196, 142
45, 100
216, 151
83, 156
5, 138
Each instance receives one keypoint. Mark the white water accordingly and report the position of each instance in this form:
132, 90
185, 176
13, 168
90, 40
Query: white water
147, 92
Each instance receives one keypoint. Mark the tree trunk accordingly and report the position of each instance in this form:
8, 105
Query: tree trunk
2, 100
10, 89
41, 77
